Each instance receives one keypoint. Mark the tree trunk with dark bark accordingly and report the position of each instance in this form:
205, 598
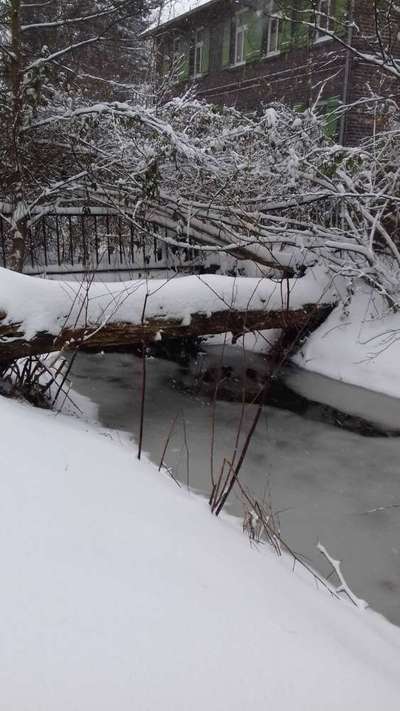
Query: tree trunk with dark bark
14, 343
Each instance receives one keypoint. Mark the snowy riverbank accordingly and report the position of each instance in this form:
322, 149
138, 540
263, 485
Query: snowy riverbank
120, 590
358, 344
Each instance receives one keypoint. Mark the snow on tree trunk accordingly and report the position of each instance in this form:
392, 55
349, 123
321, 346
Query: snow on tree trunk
39, 316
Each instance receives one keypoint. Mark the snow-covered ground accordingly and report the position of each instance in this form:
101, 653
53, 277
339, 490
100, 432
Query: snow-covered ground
120, 590
358, 344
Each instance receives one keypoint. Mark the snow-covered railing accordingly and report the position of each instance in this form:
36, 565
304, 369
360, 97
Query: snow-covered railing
77, 239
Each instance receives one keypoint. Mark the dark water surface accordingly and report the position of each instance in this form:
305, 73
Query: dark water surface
331, 485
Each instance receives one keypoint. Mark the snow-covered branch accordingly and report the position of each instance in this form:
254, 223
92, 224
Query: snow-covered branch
343, 587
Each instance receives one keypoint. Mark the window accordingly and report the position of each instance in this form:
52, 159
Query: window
179, 67
198, 53
177, 49
271, 37
240, 33
323, 19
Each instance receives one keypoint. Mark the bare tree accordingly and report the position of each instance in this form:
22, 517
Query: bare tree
55, 52
270, 187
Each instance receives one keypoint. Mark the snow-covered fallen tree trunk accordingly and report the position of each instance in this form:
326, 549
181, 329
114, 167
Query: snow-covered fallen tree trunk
38, 316
14, 344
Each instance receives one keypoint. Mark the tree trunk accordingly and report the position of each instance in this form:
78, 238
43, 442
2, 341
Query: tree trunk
39, 316
14, 344
17, 256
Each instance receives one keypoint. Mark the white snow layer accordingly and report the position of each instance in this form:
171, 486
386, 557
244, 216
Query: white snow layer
120, 591
44, 305
358, 344
252, 342
173, 9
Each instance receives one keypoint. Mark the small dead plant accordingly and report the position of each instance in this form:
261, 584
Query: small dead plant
37, 379
260, 522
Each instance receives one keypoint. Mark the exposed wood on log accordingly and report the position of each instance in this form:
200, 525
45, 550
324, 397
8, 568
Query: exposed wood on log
14, 344
39, 316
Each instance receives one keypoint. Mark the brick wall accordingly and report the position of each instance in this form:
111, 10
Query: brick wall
294, 77
365, 80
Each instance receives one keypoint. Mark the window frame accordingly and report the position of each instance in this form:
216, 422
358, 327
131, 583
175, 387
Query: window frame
326, 15
198, 45
267, 52
240, 29
176, 48
179, 58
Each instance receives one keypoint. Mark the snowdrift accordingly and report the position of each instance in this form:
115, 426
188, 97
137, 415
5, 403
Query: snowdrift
120, 590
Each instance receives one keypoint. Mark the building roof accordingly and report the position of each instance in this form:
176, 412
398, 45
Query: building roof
172, 10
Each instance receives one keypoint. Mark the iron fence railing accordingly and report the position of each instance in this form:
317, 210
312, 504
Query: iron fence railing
80, 240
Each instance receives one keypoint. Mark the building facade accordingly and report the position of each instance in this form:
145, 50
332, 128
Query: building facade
247, 55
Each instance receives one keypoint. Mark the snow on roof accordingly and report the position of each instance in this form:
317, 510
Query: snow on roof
174, 9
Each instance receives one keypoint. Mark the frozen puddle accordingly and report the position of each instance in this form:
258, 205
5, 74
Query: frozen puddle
331, 485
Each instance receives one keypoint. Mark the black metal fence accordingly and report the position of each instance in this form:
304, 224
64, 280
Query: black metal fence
81, 240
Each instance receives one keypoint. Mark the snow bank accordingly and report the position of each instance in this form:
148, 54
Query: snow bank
119, 590
358, 344
43, 305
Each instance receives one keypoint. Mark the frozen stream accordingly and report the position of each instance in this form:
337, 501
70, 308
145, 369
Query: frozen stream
331, 485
